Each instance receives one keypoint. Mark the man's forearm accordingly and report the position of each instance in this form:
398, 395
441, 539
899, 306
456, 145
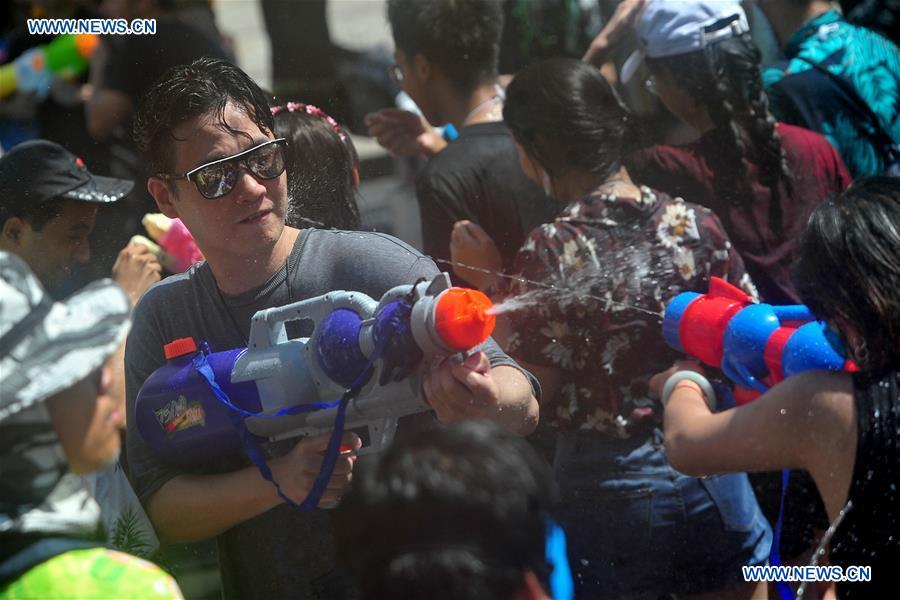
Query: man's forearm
518, 409
190, 508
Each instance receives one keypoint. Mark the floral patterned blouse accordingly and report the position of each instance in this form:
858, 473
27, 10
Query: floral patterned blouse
577, 279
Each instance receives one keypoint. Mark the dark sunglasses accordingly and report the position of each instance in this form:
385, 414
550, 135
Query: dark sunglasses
217, 178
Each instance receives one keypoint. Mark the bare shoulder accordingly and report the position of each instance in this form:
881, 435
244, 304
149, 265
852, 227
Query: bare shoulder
827, 437
819, 400
826, 393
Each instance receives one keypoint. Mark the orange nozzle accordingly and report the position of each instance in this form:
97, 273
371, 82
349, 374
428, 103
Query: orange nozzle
461, 318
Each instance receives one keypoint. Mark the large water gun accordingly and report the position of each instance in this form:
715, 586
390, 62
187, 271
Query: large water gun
755, 345
172, 243
66, 56
282, 388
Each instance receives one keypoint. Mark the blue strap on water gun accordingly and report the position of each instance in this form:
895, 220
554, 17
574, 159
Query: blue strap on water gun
250, 442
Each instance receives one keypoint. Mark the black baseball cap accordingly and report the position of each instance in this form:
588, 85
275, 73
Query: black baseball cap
39, 171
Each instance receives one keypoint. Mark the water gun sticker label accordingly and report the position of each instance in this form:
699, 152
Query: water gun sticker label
179, 414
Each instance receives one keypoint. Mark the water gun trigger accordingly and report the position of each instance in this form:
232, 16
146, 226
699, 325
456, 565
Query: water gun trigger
742, 376
755, 345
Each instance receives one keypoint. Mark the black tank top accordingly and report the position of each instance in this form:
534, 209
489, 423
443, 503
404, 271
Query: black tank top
870, 533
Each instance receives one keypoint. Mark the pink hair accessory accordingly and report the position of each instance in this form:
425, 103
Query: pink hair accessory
311, 110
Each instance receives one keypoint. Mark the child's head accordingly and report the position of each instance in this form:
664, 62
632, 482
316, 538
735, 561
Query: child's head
322, 167
458, 511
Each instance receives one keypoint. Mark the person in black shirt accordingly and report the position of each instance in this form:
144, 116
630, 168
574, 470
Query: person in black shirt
447, 56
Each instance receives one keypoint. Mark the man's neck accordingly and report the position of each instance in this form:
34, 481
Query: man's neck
481, 105
235, 275
788, 17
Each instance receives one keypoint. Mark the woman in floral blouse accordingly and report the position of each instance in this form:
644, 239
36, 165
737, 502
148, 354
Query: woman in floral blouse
585, 317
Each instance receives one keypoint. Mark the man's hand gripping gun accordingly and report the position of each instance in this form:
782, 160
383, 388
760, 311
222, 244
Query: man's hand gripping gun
755, 345
362, 353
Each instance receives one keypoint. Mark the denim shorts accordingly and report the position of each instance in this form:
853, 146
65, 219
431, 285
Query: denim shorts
637, 528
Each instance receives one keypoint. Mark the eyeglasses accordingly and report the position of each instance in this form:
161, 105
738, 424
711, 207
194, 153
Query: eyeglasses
395, 73
217, 178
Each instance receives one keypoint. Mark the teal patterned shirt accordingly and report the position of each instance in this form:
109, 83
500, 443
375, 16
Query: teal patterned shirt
858, 60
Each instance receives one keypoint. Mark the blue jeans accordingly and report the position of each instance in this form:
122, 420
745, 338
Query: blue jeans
637, 528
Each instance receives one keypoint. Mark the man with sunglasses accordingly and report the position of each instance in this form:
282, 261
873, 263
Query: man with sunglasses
206, 131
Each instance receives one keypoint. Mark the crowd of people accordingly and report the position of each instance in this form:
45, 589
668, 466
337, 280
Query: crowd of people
575, 453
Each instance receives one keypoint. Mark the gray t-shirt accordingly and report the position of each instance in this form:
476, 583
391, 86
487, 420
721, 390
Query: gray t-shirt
281, 553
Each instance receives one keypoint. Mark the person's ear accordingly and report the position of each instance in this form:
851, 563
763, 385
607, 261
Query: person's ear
13, 232
164, 194
423, 68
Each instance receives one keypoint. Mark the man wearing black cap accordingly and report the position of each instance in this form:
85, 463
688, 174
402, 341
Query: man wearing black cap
48, 206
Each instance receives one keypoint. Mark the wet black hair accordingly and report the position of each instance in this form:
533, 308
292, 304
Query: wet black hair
461, 36
848, 269
725, 78
203, 87
320, 167
566, 116
449, 512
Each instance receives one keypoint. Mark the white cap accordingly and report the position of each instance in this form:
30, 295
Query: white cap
673, 27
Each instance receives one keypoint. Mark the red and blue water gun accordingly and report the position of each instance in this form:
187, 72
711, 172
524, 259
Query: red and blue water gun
755, 345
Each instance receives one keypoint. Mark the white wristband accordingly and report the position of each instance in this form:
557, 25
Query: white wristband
709, 395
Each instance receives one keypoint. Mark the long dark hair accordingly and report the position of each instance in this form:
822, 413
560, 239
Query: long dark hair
319, 164
849, 266
725, 78
566, 116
